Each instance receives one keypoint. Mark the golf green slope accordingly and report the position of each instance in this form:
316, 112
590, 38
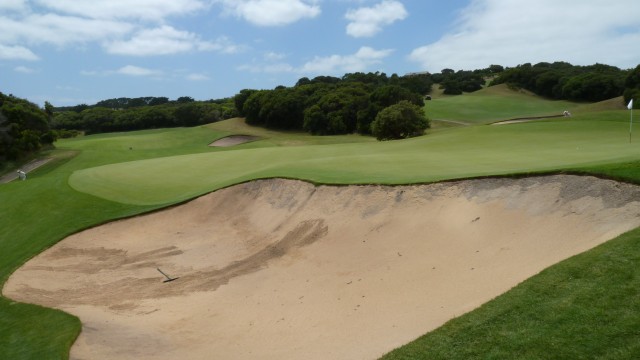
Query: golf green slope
465, 152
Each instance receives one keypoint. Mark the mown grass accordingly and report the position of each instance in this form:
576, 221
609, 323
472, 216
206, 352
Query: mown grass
446, 154
157, 167
493, 104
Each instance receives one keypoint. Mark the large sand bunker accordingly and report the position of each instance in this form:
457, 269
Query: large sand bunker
281, 269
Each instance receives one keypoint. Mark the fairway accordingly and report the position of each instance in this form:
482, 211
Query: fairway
465, 152
493, 104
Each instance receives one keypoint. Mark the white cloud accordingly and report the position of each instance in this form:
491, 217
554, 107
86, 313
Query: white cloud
360, 61
197, 77
155, 10
108, 22
271, 12
137, 71
222, 44
8, 52
159, 41
273, 56
24, 70
167, 40
368, 21
513, 32
58, 30
13, 5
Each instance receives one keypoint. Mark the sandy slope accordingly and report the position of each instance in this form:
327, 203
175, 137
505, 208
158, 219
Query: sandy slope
280, 269
233, 140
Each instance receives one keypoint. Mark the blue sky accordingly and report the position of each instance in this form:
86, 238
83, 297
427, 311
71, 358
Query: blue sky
70, 52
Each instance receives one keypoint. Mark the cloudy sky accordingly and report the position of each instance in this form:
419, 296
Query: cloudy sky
70, 52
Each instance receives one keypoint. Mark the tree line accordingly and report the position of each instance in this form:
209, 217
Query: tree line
327, 105
632, 87
564, 81
127, 114
24, 128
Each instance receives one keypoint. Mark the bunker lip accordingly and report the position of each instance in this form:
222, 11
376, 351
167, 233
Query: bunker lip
289, 270
234, 140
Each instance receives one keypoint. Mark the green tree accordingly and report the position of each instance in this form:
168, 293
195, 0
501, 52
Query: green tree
632, 87
24, 128
241, 98
399, 121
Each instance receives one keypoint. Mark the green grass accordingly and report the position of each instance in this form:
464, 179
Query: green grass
129, 173
446, 154
493, 104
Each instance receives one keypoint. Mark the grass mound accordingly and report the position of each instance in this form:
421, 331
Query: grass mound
492, 104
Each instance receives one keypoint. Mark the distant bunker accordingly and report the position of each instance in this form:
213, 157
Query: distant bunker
283, 269
234, 140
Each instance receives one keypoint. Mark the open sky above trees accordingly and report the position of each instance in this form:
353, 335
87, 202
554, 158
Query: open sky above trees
69, 52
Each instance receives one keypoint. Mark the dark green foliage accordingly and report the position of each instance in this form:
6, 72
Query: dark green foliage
24, 128
125, 114
328, 105
592, 87
126, 103
632, 87
416, 83
241, 98
563, 81
399, 121
455, 83
282, 108
392, 94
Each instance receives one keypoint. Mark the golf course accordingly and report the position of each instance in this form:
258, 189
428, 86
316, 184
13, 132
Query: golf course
475, 240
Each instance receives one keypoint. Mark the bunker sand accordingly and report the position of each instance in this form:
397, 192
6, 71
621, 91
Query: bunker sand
234, 140
282, 269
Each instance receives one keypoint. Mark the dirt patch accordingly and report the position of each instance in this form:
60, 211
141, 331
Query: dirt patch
234, 140
282, 269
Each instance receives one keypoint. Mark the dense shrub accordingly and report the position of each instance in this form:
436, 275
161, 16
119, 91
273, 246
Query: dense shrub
399, 121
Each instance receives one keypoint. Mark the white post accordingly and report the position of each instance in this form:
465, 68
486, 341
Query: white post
630, 107
630, 124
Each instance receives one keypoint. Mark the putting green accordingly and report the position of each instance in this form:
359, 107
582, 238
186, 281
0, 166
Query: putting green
447, 154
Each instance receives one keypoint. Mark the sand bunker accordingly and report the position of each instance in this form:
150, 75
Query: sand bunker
281, 269
233, 140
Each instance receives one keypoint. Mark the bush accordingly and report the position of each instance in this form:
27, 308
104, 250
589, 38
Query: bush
399, 121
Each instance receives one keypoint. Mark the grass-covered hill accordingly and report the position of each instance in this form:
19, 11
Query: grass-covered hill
96, 179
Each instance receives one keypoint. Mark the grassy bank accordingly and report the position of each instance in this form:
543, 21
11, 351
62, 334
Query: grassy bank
586, 307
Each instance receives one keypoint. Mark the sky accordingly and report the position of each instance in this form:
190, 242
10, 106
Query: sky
71, 52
